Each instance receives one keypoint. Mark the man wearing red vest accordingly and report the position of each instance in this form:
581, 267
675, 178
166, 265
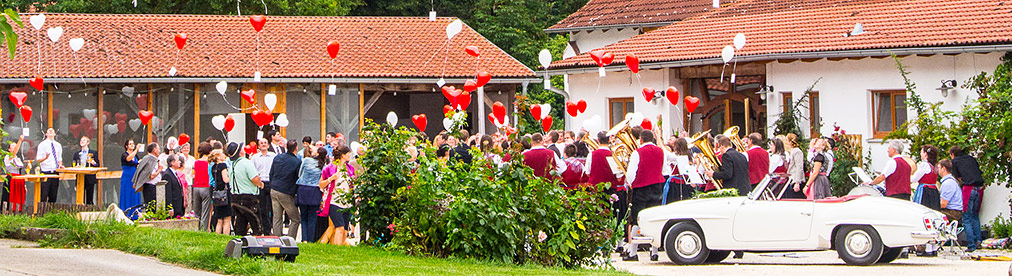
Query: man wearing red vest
600, 170
644, 176
896, 173
543, 160
758, 159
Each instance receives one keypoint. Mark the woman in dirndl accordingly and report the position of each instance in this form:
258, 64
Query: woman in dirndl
926, 177
818, 179
778, 166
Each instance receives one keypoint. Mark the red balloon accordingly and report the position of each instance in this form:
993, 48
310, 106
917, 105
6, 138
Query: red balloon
249, 96
229, 123
607, 58
648, 93
180, 40
672, 94
250, 148
491, 118
37, 83
483, 78
262, 118
75, 130
470, 86
332, 48
447, 109
420, 121
691, 103
142, 101
596, 56
582, 105
499, 110
463, 100
572, 109
633, 63
105, 116
145, 116
183, 138
120, 117
451, 94
647, 125
472, 50
121, 126
546, 124
536, 112
258, 22
26, 113
10, 117
18, 98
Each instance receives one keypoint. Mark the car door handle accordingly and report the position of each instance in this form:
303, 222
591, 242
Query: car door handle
807, 213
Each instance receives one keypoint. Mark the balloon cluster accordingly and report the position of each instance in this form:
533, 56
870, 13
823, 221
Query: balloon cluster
541, 113
575, 108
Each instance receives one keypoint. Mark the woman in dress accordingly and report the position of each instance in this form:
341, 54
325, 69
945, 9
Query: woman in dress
335, 182
795, 167
926, 177
14, 190
818, 179
778, 165
128, 196
308, 195
222, 209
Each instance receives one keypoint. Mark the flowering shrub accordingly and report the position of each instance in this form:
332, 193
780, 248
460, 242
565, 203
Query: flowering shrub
484, 211
845, 154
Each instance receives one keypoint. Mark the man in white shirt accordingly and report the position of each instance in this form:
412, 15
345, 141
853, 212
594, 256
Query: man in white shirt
49, 156
262, 160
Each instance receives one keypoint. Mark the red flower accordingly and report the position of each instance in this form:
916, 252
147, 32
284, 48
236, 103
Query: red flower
844, 132
392, 228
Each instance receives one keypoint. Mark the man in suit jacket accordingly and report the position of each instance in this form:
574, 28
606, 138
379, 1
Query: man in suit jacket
87, 158
174, 187
733, 168
148, 172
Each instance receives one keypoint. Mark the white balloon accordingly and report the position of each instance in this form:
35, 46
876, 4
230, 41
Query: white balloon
545, 57
222, 86
219, 122
447, 124
739, 41
128, 91
155, 122
546, 109
76, 44
635, 119
727, 54
89, 113
111, 129
282, 120
270, 100
592, 125
392, 118
55, 33
454, 28
134, 124
37, 20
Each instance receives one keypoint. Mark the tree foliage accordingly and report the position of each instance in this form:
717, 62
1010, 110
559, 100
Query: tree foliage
273, 7
10, 38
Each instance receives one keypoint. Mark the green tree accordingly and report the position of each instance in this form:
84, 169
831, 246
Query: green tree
10, 38
273, 7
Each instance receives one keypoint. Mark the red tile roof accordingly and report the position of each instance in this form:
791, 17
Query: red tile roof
779, 27
119, 46
601, 13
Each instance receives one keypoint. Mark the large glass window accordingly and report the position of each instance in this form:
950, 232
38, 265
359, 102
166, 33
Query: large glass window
815, 116
342, 111
303, 112
890, 111
617, 108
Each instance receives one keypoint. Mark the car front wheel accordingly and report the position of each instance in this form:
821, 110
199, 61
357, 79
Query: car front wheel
858, 245
685, 245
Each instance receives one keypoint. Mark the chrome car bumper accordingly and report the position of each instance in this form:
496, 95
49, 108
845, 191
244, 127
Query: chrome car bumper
926, 235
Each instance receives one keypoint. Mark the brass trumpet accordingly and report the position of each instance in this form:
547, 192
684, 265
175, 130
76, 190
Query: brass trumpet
707, 159
732, 133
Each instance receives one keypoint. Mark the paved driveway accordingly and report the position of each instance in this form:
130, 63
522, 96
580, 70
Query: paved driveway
24, 258
821, 263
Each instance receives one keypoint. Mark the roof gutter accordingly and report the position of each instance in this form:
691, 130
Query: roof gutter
619, 26
804, 55
268, 80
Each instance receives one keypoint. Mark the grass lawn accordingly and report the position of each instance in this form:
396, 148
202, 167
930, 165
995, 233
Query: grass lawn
205, 251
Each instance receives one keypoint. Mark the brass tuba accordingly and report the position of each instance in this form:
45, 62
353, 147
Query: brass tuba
622, 150
732, 133
707, 159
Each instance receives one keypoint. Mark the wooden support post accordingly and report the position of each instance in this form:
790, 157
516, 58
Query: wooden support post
101, 140
727, 113
196, 115
323, 110
361, 107
151, 96
747, 117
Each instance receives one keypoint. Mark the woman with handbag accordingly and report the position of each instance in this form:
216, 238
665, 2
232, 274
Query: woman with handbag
308, 196
220, 194
335, 180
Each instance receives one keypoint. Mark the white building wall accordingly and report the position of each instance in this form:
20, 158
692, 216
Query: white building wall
587, 41
624, 84
846, 99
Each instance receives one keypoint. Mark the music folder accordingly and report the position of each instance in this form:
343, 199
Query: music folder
684, 168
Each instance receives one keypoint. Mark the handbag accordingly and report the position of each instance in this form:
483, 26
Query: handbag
219, 197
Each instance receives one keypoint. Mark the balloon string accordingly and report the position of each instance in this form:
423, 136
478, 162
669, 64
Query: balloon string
435, 53
233, 106
258, 51
52, 51
38, 47
237, 7
733, 69
722, 73
78, 62
175, 62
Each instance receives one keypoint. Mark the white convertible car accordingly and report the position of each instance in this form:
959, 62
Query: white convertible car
864, 229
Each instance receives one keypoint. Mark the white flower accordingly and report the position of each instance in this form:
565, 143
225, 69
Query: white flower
542, 236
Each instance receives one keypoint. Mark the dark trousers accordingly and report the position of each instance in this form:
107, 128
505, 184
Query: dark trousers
322, 223
49, 189
89, 189
149, 193
308, 215
642, 198
901, 196
971, 220
266, 219
246, 212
